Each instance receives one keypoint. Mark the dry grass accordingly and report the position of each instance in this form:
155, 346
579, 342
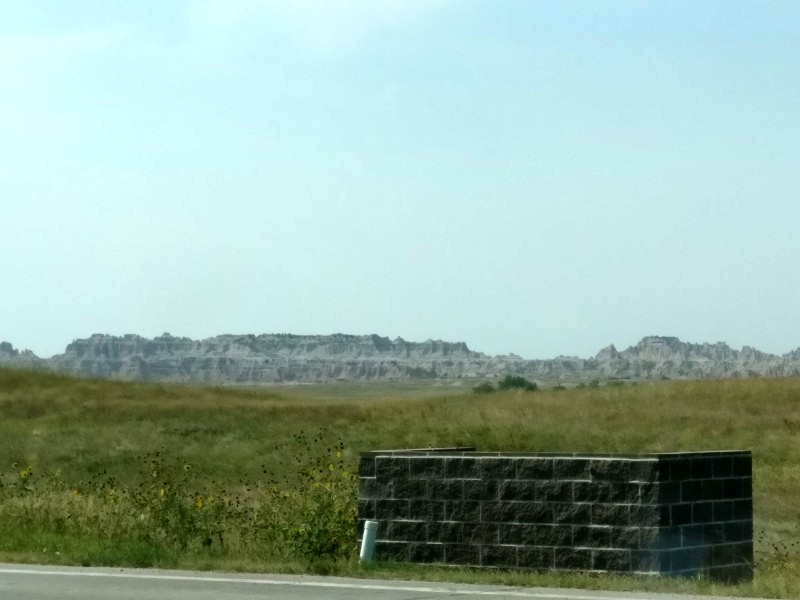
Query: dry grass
82, 427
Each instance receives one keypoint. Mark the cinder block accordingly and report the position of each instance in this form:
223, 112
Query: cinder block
499, 556
713, 489
491, 511
742, 465
410, 489
645, 561
571, 469
406, 531
553, 535
585, 536
517, 533
611, 560
649, 538
680, 469
723, 510
554, 491
648, 493
573, 559
426, 468
692, 535
527, 512
624, 492
535, 468
426, 553
644, 470
722, 466
512, 489
386, 510
462, 468
669, 492
591, 491
497, 468
376, 489
743, 509
573, 514
391, 467
479, 489
482, 533
534, 557
609, 470
611, 514
701, 468
445, 489
733, 488
366, 466
680, 514
691, 491
428, 510
702, 512
462, 554
624, 537
450, 532
462, 510
366, 508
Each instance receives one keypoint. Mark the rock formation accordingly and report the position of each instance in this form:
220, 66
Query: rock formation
284, 358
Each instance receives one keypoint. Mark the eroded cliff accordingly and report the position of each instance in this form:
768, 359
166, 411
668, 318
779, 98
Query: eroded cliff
283, 358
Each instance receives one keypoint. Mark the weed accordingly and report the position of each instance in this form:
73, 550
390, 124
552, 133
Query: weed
169, 508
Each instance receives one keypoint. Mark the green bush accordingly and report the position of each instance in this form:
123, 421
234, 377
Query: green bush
516, 382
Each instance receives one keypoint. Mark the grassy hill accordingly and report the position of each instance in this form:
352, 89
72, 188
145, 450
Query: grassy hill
106, 472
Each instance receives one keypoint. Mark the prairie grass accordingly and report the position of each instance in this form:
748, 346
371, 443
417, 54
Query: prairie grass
254, 451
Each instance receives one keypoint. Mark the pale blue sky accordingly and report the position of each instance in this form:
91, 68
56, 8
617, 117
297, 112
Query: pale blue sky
541, 178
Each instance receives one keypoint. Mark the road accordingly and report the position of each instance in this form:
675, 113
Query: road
32, 582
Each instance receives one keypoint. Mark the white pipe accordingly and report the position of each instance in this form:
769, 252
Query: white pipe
368, 541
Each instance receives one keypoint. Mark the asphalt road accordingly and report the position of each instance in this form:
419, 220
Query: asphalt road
32, 582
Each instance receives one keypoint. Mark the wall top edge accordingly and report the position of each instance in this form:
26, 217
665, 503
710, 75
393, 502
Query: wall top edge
472, 453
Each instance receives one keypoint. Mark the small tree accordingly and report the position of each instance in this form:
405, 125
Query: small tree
516, 382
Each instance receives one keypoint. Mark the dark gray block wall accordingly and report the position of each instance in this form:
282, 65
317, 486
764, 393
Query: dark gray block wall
674, 514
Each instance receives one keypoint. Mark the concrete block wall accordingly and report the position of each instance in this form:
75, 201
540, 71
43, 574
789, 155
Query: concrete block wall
674, 514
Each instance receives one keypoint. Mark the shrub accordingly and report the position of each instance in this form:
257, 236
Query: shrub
516, 382
484, 388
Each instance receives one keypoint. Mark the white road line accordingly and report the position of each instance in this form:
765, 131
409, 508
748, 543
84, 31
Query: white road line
323, 584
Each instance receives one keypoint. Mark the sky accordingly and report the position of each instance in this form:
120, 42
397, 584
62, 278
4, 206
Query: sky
536, 177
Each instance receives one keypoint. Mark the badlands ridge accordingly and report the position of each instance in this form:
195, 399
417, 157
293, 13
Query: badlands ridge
285, 358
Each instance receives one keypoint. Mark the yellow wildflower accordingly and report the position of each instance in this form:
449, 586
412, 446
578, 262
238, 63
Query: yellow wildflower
161, 492
199, 502
25, 474
330, 467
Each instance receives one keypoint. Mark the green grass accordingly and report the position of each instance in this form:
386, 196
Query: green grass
89, 431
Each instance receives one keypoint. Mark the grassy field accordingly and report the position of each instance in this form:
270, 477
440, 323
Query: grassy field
99, 472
